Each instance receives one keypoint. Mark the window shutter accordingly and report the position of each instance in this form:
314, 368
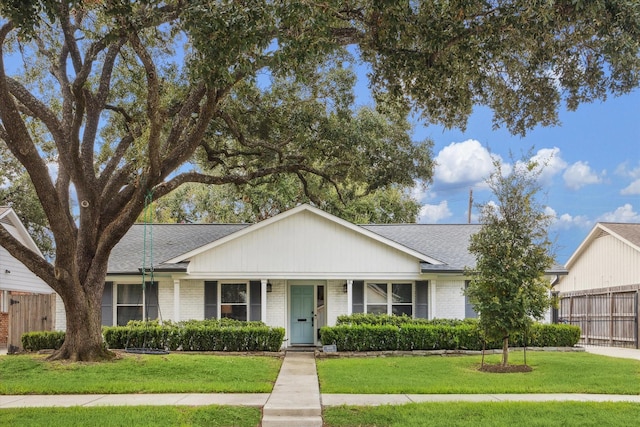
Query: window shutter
422, 299
211, 300
357, 296
107, 304
469, 312
255, 300
151, 300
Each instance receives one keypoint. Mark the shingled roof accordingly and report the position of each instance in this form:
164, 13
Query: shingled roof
447, 243
169, 241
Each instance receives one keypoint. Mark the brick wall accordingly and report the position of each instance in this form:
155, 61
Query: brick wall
165, 300
449, 302
191, 300
276, 305
336, 300
4, 328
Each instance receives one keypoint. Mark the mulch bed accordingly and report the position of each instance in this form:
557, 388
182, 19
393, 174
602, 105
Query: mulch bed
499, 369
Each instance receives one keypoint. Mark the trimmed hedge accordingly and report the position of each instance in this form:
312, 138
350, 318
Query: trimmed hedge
207, 335
41, 340
407, 335
196, 335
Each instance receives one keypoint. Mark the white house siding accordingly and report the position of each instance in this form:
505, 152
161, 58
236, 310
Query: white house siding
304, 246
449, 299
15, 276
191, 300
606, 262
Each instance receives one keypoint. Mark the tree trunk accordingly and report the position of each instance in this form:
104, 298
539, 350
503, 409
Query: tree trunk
505, 351
83, 338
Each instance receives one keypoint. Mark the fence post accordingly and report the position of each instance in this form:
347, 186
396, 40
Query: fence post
635, 318
587, 320
611, 309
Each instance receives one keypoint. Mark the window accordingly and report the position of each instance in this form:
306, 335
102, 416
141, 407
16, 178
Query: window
389, 298
469, 312
129, 302
233, 300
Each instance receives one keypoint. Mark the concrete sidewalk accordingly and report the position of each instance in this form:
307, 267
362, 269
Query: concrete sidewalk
261, 400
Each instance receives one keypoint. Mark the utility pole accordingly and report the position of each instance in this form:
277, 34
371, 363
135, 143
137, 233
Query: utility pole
470, 205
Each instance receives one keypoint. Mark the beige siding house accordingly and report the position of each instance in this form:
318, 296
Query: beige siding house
600, 292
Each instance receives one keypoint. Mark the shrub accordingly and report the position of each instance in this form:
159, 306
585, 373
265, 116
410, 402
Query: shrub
196, 335
42, 340
361, 333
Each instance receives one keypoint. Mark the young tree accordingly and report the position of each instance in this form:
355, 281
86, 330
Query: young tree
123, 95
508, 288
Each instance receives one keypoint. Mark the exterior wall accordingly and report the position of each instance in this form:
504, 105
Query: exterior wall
165, 300
16, 277
61, 317
191, 300
304, 246
276, 304
449, 303
4, 328
336, 301
606, 262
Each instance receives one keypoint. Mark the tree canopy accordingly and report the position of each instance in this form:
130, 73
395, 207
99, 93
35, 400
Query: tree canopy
127, 98
508, 288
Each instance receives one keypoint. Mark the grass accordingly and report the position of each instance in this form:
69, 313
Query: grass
552, 373
173, 373
139, 416
496, 414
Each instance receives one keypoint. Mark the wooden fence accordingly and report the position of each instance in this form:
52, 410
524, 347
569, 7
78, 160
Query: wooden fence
29, 313
605, 318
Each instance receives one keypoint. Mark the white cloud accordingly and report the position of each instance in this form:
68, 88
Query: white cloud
551, 161
465, 162
634, 187
566, 221
580, 174
434, 213
631, 189
622, 214
623, 170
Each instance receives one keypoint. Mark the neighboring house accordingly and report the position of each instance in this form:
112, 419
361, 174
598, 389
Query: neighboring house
299, 270
600, 292
15, 277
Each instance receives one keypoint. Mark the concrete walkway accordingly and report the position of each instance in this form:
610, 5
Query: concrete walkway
295, 399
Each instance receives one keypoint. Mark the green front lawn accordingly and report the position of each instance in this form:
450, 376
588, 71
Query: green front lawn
172, 373
139, 416
552, 373
496, 414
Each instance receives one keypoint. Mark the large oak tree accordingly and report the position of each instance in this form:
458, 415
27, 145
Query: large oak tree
121, 95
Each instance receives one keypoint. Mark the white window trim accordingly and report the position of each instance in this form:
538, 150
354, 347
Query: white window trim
116, 304
246, 303
390, 302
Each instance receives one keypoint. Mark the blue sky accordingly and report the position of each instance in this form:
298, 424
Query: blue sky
592, 172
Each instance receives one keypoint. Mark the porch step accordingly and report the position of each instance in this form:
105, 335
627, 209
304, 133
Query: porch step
292, 411
284, 421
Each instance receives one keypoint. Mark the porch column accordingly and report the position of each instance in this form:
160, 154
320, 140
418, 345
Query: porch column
432, 299
263, 298
176, 300
349, 296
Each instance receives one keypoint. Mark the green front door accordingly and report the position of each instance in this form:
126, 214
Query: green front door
302, 316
